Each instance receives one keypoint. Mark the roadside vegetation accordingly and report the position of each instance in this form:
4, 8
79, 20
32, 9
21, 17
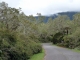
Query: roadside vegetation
19, 38
64, 32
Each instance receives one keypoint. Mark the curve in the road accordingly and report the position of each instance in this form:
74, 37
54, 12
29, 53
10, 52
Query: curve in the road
58, 53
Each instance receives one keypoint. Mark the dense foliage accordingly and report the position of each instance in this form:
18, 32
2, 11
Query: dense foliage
18, 34
63, 31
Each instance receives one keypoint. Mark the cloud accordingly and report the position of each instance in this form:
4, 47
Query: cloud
45, 7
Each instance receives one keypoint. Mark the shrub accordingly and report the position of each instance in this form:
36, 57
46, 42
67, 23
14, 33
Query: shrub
58, 38
15, 46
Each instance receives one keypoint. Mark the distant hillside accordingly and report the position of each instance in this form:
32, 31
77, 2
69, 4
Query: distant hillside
69, 14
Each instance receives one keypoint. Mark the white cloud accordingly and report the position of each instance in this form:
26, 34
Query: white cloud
45, 6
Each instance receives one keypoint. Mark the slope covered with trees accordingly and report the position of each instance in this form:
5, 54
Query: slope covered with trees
53, 16
18, 34
63, 31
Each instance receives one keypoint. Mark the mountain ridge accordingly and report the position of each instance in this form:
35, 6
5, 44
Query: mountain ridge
53, 16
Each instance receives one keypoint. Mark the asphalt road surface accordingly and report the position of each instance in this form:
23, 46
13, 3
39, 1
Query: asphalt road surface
59, 53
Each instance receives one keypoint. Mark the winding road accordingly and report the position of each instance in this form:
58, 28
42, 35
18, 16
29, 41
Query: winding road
59, 53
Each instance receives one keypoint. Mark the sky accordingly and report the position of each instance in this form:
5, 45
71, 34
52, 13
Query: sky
45, 7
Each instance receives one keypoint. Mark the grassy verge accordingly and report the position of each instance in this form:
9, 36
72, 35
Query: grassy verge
76, 50
38, 56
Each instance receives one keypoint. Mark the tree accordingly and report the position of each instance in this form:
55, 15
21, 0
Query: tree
40, 18
18, 36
